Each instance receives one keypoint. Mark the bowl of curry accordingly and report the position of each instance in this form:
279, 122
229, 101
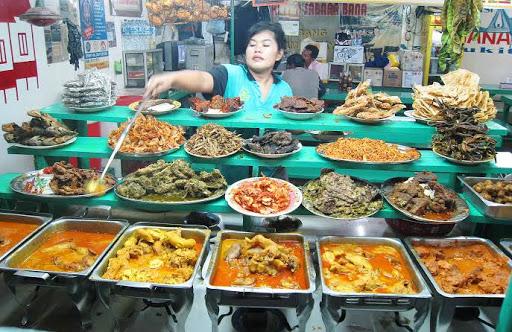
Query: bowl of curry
66, 246
260, 263
367, 266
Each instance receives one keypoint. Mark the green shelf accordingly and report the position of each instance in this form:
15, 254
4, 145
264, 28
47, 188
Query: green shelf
402, 130
217, 206
307, 158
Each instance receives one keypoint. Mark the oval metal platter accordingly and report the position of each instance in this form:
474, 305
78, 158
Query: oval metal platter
299, 116
461, 207
295, 199
420, 119
216, 114
18, 183
462, 162
90, 109
151, 205
208, 157
45, 147
369, 121
174, 105
146, 154
400, 147
310, 207
270, 155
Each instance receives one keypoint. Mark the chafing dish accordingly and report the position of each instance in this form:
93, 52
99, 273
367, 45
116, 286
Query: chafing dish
490, 209
179, 296
40, 219
444, 304
333, 301
506, 244
258, 297
75, 284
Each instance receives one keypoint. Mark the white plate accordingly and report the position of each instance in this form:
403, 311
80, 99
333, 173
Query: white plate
410, 114
295, 199
299, 116
208, 157
271, 155
215, 113
369, 121
44, 147
463, 162
172, 106
90, 109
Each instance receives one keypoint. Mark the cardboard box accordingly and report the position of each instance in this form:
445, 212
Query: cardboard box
411, 78
392, 78
374, 75
348, 54
411, 60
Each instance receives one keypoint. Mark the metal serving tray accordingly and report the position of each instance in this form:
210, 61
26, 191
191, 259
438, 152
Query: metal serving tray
379, 300
40, 219
215, 256
506, 244
469, 299
146, 288
115, 227
490, 209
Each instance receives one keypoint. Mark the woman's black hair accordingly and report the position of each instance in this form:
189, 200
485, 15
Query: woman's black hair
268, 26
314, 50
295, 60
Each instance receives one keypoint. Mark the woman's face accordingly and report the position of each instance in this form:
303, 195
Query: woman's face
262, 52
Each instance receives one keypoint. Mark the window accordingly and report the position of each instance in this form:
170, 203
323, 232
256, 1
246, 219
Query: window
22, 43
3, 55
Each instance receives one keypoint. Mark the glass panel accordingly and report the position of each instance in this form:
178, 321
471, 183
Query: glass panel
134, 59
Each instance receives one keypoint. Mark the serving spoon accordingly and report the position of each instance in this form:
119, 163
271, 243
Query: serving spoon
98, 186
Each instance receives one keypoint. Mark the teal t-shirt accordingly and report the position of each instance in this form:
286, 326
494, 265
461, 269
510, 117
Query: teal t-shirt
240, 83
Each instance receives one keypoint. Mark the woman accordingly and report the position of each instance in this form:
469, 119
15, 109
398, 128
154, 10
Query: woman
253, 82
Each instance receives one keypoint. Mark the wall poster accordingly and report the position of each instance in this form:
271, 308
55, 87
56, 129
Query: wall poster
94, 33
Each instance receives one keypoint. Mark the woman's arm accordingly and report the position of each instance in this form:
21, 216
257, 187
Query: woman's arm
188, 80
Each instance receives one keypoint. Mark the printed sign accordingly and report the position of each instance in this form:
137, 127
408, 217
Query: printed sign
348, 54
290, 28
94, 33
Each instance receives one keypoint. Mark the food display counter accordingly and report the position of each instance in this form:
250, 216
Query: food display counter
305, 163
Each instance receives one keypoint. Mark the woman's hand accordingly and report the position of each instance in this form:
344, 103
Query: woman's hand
158, 84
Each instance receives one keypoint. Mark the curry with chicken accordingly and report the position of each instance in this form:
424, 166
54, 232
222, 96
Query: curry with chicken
466, 269
365, 268
11, 233
68, 251
155, 255
261, 262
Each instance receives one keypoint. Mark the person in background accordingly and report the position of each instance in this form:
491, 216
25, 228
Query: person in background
253, 82
310, 53
304, 82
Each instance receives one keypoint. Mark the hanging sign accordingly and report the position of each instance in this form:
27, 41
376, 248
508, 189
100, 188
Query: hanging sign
94, 33
256, 3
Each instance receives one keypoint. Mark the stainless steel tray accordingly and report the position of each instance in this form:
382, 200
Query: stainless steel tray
463, 162
472, 299
147, 154
369, 121
215, 256
400, 147
115, 227
40, 219
506, 244
309, 205
490, 209
461, 208
147, 288
380, 299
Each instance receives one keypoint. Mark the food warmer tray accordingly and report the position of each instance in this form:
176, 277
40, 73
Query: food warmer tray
148, 289
506, 244
40, 219
332, 301
461, 207
52, 278
490, 209
258, 297
444, 304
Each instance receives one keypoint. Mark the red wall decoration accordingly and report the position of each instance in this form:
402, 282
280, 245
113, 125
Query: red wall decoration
17, 49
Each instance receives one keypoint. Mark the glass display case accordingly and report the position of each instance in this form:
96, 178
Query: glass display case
140, 66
